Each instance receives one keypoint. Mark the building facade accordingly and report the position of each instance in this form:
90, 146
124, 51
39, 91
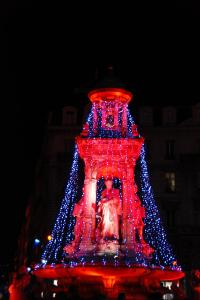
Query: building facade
173, 148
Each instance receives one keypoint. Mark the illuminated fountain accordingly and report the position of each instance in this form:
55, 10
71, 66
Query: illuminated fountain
112, 238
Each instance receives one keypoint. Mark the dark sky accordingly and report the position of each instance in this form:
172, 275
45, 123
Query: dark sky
49, 51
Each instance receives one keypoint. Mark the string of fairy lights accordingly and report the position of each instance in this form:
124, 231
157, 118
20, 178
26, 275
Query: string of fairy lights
154, 229
63, 230
64, 221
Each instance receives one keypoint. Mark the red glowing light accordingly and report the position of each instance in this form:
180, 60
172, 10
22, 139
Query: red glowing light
121, 273
110, 94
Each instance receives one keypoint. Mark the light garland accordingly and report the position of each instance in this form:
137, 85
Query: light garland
154, 234
64, 220
154, 230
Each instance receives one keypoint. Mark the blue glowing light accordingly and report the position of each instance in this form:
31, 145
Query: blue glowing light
154, 232
36, 241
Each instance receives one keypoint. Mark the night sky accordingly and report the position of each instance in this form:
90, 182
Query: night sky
50, 51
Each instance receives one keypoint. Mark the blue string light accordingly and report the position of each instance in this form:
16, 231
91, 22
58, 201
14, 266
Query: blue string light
154, 233
63, 224
154, 230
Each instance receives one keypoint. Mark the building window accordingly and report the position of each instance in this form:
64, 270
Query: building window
169, 149
69, 116
170, 182
146, 116
169, 116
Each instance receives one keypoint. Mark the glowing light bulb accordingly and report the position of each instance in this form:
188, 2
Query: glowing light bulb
49, 237
44, 261
36, 241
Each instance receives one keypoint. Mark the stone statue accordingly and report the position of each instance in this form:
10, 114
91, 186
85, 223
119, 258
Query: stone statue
78, 212
109, 211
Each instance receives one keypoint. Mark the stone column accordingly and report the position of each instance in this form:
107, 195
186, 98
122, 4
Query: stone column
89, 216
128, 230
